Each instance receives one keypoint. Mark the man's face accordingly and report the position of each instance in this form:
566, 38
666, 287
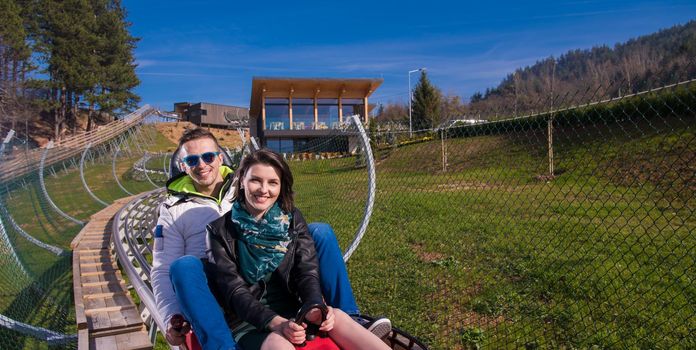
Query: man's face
204, 174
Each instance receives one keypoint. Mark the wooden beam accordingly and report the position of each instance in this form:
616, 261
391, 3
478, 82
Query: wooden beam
290, 106
80, 316
340, 104
263, 108
366, 109
90, 312
316, 110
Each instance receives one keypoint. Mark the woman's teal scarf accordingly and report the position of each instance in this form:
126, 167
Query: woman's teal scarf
262, 244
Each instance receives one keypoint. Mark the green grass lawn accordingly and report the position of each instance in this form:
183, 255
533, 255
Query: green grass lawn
39, 292
487, 253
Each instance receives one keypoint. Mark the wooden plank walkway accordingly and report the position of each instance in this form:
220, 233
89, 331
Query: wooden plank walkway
106, 316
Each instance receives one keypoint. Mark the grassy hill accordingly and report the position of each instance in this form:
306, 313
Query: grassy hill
39, 292
491, 253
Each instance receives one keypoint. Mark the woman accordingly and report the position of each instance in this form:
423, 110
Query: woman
265, 264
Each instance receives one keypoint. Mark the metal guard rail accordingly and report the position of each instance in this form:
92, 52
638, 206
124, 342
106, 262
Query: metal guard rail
131, 238
132, 235
16, 168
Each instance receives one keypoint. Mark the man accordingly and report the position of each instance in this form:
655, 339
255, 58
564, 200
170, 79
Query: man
195, 198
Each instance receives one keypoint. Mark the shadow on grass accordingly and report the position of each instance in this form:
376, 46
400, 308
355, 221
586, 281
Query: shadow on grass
48, 225
47, 303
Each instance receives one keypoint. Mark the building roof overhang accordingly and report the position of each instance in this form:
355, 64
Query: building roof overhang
309, 88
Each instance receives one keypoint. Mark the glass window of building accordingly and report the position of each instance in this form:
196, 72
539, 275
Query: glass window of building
302, 113
327, 111
300, 145
351, 106
277, 114
280, 145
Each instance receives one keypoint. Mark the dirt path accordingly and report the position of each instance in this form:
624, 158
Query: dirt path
226, 137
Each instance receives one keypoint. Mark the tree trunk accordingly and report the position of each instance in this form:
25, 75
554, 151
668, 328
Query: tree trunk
550, 146
90, 116
15, 76
61, 113
4, 65
75, 109
69, 116
23, 75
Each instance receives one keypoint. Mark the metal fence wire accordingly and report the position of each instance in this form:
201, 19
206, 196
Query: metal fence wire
564, 223
567, 225
41, 211
571, 228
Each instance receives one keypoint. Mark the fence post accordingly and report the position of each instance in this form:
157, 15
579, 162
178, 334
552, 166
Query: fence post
444, 150
550, 145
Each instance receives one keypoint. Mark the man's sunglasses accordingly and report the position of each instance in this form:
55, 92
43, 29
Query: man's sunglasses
193, 160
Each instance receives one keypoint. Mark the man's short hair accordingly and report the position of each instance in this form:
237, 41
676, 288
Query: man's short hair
195, 134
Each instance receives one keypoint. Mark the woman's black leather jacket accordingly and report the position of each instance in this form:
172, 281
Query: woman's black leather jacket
240, 300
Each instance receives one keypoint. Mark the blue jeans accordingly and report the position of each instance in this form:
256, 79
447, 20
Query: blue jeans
200, 308
333, 277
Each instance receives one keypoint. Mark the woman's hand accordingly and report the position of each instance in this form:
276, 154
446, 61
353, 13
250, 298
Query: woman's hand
314, 316
292, 331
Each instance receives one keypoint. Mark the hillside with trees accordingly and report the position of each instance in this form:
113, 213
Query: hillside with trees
602, 72
64, 65
576, 77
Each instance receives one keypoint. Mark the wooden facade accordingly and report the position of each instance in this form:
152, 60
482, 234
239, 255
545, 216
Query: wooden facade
345, 92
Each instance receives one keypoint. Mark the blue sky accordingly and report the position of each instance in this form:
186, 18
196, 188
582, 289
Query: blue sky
210, 50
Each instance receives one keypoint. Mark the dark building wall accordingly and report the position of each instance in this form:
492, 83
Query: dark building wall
211, 114
181, 108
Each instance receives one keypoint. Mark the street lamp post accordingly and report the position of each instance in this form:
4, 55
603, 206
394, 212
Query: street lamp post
410, 97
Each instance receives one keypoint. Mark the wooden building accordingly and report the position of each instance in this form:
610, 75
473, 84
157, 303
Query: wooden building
288, 113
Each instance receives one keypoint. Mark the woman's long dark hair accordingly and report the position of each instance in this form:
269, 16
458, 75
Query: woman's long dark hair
267, 157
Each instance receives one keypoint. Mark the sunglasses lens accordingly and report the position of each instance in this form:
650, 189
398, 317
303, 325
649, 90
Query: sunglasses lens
208, 157
191, 160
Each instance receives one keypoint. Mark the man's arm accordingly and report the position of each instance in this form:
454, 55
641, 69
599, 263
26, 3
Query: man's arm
168, 246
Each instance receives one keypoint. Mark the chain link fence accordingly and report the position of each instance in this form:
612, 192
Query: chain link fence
46, 196
567, 225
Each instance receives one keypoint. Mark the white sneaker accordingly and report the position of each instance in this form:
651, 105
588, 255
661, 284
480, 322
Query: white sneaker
380, 327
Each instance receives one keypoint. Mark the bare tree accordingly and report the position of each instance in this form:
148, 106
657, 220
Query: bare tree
452, 107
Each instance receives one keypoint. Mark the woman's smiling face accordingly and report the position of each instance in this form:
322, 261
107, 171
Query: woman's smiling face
261, 184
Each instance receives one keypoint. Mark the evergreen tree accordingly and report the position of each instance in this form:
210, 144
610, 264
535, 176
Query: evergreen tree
476, 97
69, 49
426, 104
14, 60
85, 53
602, 72
116, 73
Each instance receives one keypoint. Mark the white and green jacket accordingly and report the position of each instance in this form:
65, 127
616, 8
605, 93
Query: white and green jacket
180, 231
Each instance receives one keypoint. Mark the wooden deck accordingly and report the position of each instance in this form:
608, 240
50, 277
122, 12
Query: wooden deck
107, 318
